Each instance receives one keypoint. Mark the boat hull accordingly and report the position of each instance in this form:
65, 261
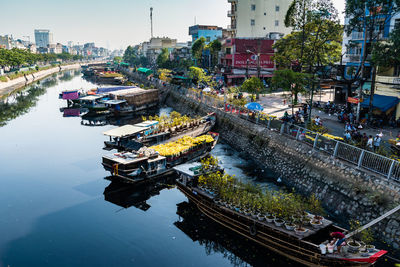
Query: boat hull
295, 249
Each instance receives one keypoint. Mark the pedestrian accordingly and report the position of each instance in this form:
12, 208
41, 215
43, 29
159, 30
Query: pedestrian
377, 142
370, 143
339, 240
364, 140
347, 136
318, 121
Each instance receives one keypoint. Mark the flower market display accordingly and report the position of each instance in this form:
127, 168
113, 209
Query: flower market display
182, 145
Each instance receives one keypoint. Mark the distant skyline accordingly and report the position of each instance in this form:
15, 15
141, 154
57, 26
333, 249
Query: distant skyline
114, 24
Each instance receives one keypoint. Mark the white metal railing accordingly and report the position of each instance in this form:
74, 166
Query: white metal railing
360, 158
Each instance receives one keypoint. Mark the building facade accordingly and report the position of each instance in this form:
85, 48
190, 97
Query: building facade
240, 59
6, 42
258, 18
43, 38
210, 33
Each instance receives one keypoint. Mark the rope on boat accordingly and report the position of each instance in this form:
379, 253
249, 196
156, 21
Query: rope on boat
384, 216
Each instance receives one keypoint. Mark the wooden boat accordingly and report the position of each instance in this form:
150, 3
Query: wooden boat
147, 164
305, 249
147, 133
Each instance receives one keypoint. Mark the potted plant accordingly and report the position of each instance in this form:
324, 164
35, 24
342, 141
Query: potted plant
279, 222
353, 246
315, 207
301, 231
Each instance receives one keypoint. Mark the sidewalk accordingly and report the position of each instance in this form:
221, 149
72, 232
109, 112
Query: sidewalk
273, 104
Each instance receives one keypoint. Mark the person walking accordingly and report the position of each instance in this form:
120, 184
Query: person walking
377, 142
370, 143
364, 140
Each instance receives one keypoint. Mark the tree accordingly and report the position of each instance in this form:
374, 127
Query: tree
214, 47
198, 75
117, 59
163, 58
315, 40
253, 86
290, 80
198, 47
130, 56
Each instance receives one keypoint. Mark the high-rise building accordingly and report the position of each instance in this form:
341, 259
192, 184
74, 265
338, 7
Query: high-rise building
43, 38
258, 18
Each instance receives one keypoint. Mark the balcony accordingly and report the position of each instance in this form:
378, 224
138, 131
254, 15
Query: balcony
231, 13
231, 27
357, 35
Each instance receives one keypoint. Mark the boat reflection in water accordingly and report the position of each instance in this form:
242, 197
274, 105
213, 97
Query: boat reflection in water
127, 195
239, 250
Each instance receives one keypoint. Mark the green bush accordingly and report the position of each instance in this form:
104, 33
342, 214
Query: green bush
3, 79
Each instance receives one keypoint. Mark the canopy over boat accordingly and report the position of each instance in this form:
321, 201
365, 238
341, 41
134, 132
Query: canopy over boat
130, 91
124, 131
91, 97
114, 102
103, 90
146, 124
187, 168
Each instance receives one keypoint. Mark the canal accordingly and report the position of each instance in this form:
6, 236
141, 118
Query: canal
58, 210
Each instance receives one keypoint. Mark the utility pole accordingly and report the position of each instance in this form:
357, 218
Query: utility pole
247, 69
364, 49
151, 21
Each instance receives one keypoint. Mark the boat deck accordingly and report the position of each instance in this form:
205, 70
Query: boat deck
310, 231
125, 158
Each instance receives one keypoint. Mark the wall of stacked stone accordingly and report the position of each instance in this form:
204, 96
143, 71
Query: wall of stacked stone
346, 193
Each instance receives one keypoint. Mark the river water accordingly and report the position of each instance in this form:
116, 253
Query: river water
58, 210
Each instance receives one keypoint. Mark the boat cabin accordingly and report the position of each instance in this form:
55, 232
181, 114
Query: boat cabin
92, 101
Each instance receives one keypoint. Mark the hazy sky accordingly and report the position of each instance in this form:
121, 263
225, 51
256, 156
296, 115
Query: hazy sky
112, 23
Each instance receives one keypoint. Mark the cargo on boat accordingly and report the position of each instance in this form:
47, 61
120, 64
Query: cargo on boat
308, 246
150, 132
138, 98
150, 163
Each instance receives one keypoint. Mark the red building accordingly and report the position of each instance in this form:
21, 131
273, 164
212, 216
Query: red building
240, 59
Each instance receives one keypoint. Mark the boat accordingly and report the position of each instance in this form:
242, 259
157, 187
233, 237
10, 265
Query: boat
149, 164
69, 95
147, 133
307, 248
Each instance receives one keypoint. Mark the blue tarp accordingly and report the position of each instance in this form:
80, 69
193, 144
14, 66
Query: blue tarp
254, 106
382, 102
104, 90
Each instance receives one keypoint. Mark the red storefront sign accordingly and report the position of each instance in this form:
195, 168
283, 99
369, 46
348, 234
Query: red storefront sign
240, 61
352, 100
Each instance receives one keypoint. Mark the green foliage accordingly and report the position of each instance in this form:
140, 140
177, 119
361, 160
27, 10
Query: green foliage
117, 59
316, 37
163, 58
253, 85
3, 79
387, 54
365, 236
214, 47
290, 80
198, 75
198, 47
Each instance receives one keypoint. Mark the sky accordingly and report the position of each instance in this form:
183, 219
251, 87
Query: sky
113, 24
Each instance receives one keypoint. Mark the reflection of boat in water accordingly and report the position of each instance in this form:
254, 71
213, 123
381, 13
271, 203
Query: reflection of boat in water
73, 111
147, 164
238, 250
149, 133
306, 249
126, 195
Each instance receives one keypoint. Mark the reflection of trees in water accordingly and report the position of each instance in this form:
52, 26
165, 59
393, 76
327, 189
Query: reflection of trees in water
20, 102
69, 75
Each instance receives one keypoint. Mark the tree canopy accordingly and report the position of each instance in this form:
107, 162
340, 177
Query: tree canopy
199, 76
198, 47
163, 58
252, 85
290, 80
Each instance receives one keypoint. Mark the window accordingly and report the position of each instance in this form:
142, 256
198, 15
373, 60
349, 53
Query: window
265, 13
208, 39
264, 28
276, 22
397, 23
253, 22
277, 8
253, 7
228, 51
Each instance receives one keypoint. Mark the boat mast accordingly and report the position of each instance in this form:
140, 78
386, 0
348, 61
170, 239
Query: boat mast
387, 214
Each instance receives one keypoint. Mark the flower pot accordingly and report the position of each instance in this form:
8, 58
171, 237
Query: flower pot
247, 213
279, 222
270, 218
353, 247
260, 217
370, 248
316, 224
254, 215
300, 231
289, 226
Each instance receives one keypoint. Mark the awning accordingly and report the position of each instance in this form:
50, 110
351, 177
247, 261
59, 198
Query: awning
123, 131
91, 97
367, 86
114, 102
103, 90
382, 102
145, 71
180, 77
124, 64
146, 123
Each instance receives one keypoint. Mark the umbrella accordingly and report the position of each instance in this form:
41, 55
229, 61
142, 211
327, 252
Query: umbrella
254, 106
208, 89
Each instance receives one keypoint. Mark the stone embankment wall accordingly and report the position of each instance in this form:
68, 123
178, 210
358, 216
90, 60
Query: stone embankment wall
11, 85
347, 193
